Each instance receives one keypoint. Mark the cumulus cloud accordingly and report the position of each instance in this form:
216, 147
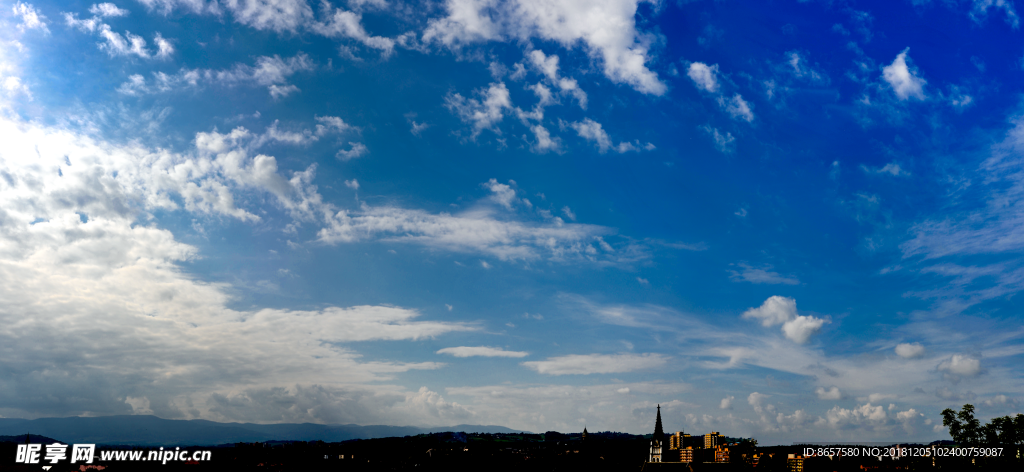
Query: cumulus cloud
864, 414
774, 311
738, 108
726, 403
959, 366
348, 24
543, 141
909, 350
593, 131
481, 351
606, 29
107, 10
354, 151
903, 78
801, 328
703, 76
584, 364
548, 67
30, 17
484, 113
778, 310
502, 194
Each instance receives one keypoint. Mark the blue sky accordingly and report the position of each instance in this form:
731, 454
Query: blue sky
785, 220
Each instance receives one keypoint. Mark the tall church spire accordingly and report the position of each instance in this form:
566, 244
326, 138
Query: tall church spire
659, 433
658, 441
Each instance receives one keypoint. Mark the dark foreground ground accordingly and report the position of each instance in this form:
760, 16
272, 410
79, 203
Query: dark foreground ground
456, 452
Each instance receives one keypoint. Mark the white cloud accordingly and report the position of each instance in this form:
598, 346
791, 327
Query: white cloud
341, 23
352, 184
891, 168
782, 310
164, 48
194, 6
276, 15
30, 17
568, 213
878, 397
832, 393
607, 29
544, 142
759, 275
354, 151
726, 403
960, 365
117, 45
140, 406
774, 311
547, 65
290, 16
904, 79
908, 415
478, 231
332, 124
724, 142
484, 113
864, 414
703, 76
171, 342
909, 350
801, 328
593, 131
107, 10
481, 351
428, 404
800, 68
756, 400
981, 7
417, 128
269, 71
597, 363
738, 108
502, 194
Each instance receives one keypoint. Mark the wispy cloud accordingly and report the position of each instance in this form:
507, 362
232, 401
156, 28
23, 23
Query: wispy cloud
481, 351
584, 364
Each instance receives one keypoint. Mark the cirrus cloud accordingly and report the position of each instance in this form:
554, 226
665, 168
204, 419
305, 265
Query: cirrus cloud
584, 364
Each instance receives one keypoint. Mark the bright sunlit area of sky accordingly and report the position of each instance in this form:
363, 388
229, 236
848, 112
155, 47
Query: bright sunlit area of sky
787, 220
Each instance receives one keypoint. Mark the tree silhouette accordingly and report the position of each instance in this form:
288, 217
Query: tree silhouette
963, 426
966, 430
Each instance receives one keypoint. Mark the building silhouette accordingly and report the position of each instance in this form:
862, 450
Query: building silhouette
680, 450
658, 441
